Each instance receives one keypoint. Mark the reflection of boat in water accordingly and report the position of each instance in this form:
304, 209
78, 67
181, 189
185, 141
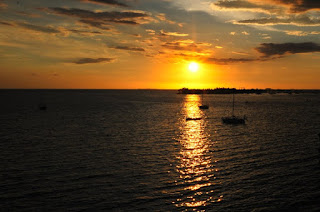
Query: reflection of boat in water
203, 106
233, 119
193, 119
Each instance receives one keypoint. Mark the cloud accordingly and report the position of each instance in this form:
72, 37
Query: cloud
296, 33
185, 50
240, 53
185, 45
137, 49
151, 31
3, 5
226, 61
298, 6
96, 24
301, 33
6, 23
269, 51
27, 14
283, 12
246, 5
45, 29
273, 49
162, 17
265, 36
92, 60
177, 34
272, 6
108, 2
49, 29
300, 20
96, 18
84, 32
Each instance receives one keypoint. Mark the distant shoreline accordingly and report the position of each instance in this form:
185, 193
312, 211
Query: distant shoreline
246, 91
180, 91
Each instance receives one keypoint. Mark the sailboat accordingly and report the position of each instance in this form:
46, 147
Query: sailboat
233, 119
42, 105
203, 106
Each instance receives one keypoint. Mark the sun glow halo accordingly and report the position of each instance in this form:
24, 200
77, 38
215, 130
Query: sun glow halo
193, 67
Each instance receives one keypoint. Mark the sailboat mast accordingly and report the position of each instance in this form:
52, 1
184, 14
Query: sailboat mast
233, 104
202, 98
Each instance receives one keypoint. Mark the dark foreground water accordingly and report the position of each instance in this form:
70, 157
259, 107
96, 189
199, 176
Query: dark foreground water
134, 150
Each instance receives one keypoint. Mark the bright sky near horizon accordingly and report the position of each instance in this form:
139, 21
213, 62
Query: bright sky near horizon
133, 44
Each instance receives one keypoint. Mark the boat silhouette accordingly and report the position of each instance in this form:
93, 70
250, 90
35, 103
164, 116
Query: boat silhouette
193, 119
234, 119
42, 106
203, 106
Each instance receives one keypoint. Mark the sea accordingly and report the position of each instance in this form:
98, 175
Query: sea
134, 150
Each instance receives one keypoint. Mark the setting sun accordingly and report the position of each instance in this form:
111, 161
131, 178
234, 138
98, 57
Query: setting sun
193, 67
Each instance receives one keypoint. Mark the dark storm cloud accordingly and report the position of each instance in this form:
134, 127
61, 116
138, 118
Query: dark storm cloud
128, 48
274, 49
108, 2
92, 60
129, 17
300, 20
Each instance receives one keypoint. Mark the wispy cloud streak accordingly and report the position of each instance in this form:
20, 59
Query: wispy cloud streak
107, 2
278, 49
92, 60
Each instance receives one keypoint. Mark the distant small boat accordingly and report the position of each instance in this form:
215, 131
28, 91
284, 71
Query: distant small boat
233, 119
42, 106
203, 106
193, 119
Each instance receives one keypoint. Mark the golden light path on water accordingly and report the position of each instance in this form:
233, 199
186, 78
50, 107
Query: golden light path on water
196, 171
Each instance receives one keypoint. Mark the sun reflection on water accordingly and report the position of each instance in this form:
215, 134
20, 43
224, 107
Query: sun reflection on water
196, 171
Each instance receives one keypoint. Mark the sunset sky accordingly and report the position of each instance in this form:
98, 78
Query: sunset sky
130, 44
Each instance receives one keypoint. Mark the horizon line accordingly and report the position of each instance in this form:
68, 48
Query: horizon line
157, 88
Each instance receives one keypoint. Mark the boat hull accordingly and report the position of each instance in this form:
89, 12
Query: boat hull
204, 107
233, 120
193, 119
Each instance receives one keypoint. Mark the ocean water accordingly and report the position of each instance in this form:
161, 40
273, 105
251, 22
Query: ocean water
133, 150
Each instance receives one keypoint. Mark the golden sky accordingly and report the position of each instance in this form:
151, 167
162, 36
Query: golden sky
129, 44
